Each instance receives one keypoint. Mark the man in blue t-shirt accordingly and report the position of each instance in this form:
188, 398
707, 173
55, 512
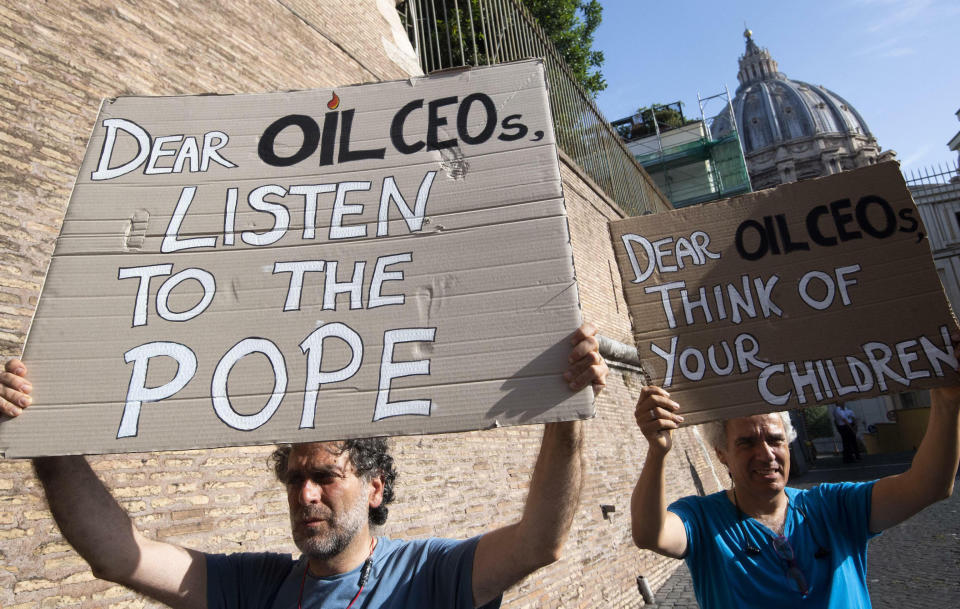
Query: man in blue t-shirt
762, 544
336, 492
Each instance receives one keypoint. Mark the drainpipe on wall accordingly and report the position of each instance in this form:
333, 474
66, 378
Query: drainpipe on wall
626, 357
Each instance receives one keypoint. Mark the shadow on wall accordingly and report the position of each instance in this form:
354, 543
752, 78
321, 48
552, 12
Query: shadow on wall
697, 482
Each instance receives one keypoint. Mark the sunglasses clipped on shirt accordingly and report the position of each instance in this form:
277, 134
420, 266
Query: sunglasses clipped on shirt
781, 545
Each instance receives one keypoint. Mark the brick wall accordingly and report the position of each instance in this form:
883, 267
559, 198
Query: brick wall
59, 59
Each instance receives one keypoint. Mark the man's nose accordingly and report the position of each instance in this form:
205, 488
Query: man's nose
310, 492
767, 451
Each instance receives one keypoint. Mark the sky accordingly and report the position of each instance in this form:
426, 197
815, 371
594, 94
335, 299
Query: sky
895, 61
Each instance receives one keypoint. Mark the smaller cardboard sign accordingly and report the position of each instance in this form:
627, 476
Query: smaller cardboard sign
814, 292
371, 260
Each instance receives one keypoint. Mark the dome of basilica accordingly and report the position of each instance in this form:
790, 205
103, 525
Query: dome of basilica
791, 130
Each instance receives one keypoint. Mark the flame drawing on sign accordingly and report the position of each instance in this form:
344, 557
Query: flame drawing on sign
334, 101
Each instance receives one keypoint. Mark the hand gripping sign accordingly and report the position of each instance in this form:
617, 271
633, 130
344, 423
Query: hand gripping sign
813, 292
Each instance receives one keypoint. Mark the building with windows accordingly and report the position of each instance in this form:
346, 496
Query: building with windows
686, 163
954, 142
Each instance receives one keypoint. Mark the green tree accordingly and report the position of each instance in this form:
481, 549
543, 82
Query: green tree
571, 24
667, 116
818, 420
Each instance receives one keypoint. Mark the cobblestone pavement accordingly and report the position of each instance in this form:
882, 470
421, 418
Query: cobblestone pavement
915, 564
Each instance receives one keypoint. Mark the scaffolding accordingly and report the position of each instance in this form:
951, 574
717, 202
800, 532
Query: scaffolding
687, 163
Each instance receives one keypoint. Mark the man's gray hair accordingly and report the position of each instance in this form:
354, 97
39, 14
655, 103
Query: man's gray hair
716, 431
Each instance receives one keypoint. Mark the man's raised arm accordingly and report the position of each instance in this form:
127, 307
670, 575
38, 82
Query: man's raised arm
505, 556
99, 529
653, 527
931, 475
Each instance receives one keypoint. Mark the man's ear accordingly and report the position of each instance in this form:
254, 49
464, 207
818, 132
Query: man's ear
722, 456
376, 491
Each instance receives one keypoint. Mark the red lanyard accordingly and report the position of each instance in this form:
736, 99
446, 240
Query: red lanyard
364, 573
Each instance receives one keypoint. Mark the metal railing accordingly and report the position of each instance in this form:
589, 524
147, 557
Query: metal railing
932, 180
936, 191
453, 33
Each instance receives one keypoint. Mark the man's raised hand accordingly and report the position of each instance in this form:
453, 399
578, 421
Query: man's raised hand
586, 365
14, 388
656, 416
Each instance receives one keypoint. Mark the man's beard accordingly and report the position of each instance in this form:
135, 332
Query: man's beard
341, 529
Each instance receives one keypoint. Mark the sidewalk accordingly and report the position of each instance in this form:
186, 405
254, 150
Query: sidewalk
915, 564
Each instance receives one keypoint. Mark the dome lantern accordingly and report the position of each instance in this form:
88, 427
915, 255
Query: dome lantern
756, 63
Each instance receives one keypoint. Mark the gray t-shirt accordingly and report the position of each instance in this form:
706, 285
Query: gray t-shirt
418, 574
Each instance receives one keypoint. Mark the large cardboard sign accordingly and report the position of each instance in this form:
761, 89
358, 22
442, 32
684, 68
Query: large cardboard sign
370, 260
814, 292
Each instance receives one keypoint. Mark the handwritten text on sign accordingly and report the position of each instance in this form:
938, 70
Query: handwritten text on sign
814, 292
362, 257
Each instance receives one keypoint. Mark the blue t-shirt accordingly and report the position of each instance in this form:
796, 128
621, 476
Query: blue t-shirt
419, 574
834, 517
